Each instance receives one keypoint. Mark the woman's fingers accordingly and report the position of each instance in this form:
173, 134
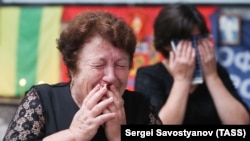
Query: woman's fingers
185, 52
118, 101
101, 106
190, 52
105, 117
91, 93
182, 62
118, 105
94, 96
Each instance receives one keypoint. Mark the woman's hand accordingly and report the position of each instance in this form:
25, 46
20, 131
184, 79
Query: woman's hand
181, 66
182, 62
91, 114
229, 109
113, 126
207, 56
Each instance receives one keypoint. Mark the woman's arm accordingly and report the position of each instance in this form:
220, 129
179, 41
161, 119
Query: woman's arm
230, 110
181, 65
173, 110
28, 121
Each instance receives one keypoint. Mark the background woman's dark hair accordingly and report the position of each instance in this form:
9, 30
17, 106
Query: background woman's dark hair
176, 21
94, 23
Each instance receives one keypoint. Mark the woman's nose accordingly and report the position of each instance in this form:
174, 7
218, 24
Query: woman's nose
109, 75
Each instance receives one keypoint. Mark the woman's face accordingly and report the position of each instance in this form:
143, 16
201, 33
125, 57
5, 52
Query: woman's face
100, 62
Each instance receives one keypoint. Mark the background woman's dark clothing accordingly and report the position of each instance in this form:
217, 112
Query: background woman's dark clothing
47, 109
155, 82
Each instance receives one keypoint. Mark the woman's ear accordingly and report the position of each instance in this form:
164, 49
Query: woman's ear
71, 79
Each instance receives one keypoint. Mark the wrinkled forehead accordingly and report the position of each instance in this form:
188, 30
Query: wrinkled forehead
98, 47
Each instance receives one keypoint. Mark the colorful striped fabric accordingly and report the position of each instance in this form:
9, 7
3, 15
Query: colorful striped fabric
28, 53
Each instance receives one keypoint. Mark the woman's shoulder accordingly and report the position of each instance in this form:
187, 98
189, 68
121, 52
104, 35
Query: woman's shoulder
150, 68
51, 86
48, 87
134, 97
51, 91
130, 93
156, 70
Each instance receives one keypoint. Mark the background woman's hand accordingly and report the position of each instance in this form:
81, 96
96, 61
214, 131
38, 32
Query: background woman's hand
181, 66
182, 62
91, 114
207, 56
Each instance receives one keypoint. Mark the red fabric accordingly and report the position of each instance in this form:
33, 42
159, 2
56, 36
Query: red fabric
64, 77
207, 11
147, 12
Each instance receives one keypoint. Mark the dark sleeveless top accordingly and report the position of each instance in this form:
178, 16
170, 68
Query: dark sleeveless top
58, 110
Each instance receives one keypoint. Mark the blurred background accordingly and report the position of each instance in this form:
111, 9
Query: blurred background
29, 29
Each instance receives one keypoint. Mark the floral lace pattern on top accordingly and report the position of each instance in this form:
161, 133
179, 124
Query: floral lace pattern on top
154, 120
28, 122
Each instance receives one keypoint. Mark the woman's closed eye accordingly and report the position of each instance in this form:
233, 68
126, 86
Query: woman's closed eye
98, 65
122, 66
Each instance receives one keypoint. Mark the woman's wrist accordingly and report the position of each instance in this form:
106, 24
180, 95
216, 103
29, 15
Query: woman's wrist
184, 82
211, 78
65, 135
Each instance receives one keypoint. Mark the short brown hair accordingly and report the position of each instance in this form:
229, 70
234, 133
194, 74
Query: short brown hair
94, 23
